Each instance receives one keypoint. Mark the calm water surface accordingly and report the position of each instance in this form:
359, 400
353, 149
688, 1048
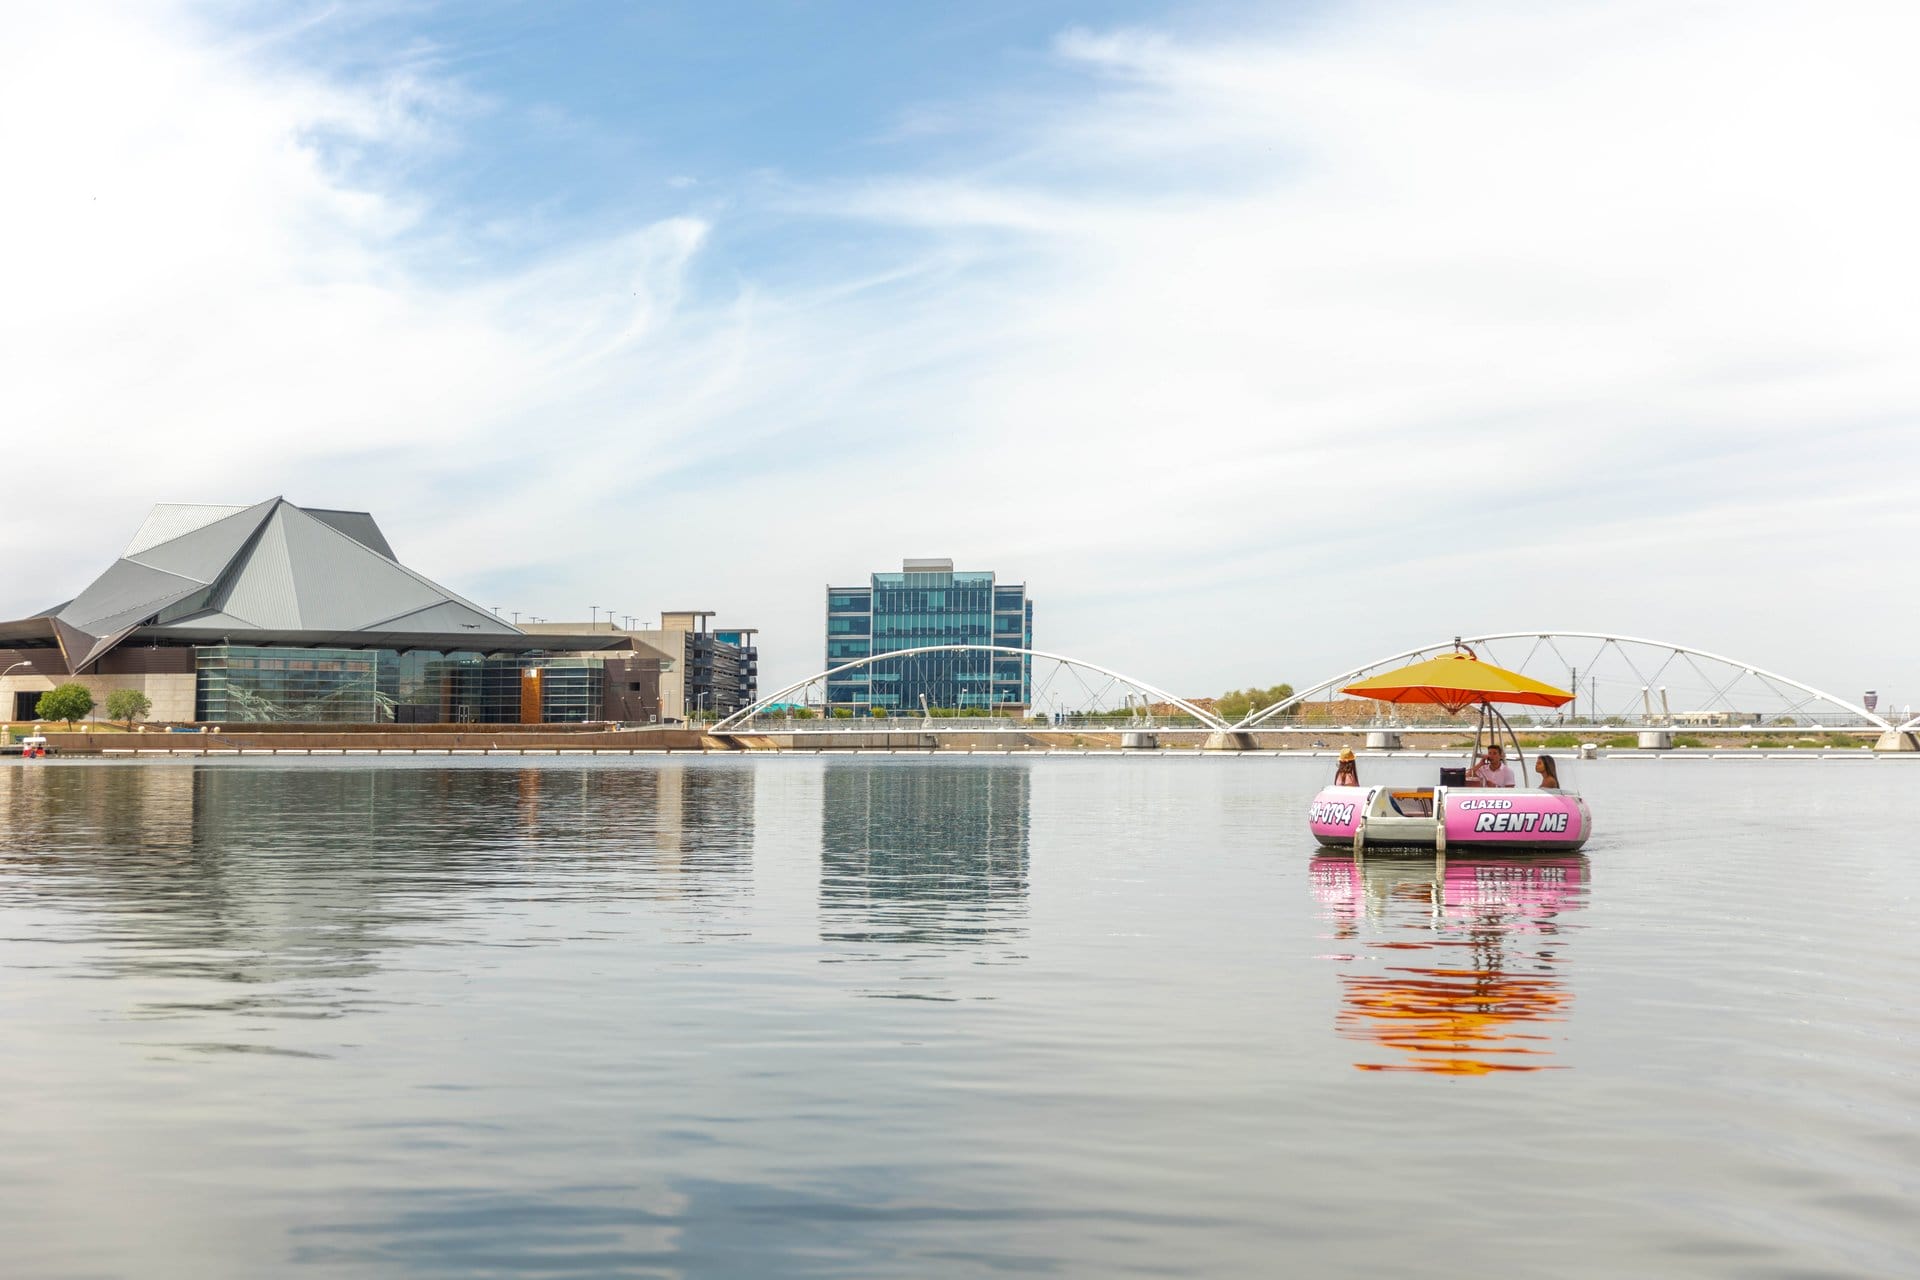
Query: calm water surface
902, 1017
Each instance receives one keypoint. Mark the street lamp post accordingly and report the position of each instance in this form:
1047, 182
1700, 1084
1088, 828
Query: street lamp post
15, 667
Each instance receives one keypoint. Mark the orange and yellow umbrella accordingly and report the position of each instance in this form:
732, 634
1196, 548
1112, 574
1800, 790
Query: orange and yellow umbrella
1457, 680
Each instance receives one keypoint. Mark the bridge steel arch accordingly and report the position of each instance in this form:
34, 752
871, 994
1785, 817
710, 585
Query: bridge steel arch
1256, 719
1206, 718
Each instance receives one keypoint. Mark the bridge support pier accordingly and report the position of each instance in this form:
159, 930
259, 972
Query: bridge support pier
1656, 740
1229, 741
1896, 740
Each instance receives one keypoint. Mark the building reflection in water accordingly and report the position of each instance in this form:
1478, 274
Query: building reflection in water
1458, 963
924, 856
290, 880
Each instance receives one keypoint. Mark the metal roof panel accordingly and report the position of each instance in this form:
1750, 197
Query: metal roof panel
126, 588
262, 592
447, 615
358, 525
203, 554
342, 584
168, 520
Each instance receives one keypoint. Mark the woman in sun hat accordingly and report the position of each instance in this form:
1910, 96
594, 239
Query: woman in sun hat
1347, 772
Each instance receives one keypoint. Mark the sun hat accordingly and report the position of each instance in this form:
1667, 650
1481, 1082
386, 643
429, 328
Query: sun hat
1346, 753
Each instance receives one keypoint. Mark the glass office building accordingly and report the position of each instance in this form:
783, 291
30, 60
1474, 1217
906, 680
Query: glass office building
930, 603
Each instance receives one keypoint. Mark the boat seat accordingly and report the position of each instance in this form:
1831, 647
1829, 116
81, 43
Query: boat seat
1412, 804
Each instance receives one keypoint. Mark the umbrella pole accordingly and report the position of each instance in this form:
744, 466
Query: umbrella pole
1512, 737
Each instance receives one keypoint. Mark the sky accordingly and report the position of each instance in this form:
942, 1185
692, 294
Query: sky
1259, 340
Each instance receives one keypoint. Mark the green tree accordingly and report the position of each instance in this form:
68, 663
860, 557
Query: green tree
67, 702
878, 713
128, 705
1237, 704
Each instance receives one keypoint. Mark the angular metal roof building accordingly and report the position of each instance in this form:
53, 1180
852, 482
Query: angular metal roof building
290, 614
269, 574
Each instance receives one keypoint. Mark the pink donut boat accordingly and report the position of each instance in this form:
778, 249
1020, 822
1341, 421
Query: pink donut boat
1447, 816
1443, 818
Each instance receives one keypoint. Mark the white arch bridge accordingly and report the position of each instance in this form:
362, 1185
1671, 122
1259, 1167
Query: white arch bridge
1092, 690
1625, 681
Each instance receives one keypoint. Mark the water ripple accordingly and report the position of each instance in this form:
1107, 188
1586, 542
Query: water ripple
879, 1017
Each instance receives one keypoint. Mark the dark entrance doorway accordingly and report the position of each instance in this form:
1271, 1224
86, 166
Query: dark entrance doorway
24, 704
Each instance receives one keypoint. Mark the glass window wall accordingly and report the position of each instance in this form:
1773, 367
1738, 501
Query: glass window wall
921, 609
241, 684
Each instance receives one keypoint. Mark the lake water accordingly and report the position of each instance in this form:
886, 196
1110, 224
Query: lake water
880, 1016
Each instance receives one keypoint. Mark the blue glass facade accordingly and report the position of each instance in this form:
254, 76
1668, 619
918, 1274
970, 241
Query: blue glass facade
929, 603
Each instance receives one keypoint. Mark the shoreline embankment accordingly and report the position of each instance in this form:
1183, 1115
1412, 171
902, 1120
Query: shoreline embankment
414, 740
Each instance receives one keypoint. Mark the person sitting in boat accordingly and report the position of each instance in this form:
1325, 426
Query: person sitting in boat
1347, 772
1548, 771
1491, 770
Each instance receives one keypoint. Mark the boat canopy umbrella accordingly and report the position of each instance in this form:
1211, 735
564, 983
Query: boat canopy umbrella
1456, 681
1459, 680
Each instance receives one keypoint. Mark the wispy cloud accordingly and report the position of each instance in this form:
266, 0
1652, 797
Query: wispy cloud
1311, 334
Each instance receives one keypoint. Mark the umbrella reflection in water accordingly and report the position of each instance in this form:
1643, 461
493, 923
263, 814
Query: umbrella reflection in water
1469, 955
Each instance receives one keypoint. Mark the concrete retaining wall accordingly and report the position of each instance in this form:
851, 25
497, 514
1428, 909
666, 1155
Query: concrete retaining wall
440, 739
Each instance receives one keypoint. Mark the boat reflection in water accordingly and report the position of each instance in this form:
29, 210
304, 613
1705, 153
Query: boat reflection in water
1457, 963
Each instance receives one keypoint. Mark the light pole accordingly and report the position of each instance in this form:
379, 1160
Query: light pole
16, 666
595, 618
